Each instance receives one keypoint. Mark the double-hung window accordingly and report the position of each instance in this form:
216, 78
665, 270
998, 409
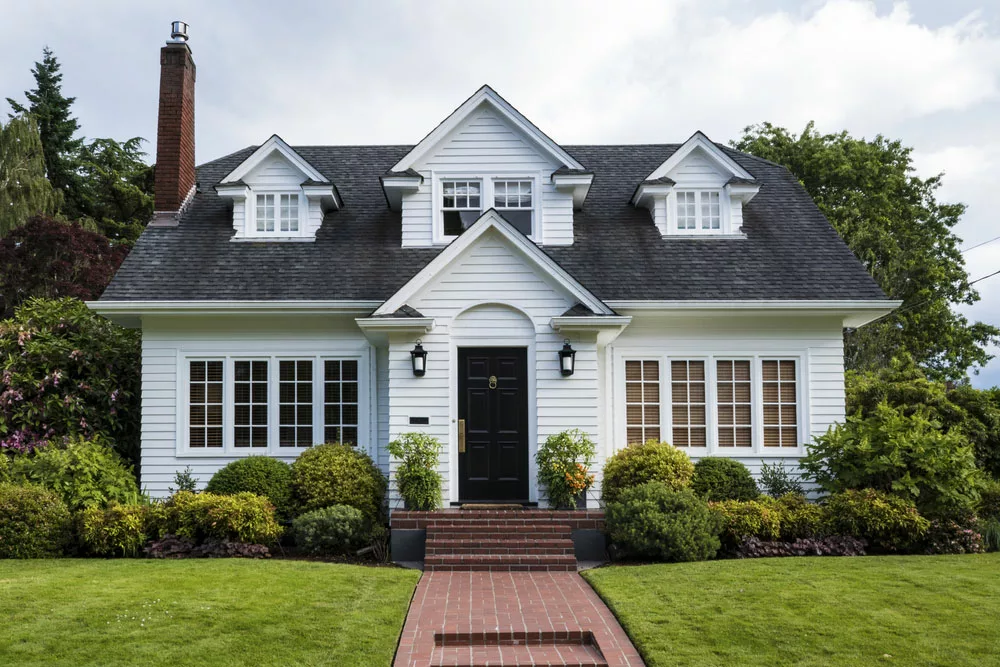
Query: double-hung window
205, 384
514, 200
295, 403
780, 407
250, 403
699, 211
277, 214
461, 205
642, 400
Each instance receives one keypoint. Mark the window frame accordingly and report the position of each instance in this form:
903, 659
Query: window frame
534, 198
366, 401
673, 217
487, 182
712, 448
276, 192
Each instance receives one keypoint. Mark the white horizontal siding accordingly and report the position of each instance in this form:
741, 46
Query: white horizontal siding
697, 168
274, 172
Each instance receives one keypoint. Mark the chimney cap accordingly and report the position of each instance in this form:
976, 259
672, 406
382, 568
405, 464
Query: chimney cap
178, 33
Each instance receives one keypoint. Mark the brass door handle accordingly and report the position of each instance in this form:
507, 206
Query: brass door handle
461, 436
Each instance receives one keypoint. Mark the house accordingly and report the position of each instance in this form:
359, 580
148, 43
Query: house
485, 285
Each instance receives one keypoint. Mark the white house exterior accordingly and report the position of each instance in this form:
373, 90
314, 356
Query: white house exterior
701, 292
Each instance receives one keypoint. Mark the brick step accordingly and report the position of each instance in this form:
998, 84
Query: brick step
498, 563
514, 545
533, 531
516, 648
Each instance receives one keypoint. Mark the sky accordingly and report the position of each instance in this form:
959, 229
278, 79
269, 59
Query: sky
926, 72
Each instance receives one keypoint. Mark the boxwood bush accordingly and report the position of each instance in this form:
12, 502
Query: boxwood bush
34, 522
650, 462
241, 517
262, 475
117, 530
336, 474
654, 521
718, 478
330, 531
887, 522
85, 473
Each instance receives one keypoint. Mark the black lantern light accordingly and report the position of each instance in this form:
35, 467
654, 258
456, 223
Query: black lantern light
418, 355
567, 359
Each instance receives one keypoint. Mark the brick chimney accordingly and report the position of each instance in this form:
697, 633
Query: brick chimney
175, 127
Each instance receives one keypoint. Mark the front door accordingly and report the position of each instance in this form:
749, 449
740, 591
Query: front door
493, 403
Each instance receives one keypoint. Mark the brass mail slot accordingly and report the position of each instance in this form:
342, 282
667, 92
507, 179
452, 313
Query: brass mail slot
461, 436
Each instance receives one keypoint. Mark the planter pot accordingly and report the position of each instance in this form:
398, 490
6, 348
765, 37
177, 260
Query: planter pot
580, 504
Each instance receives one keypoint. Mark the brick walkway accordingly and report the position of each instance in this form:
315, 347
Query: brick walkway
511, 618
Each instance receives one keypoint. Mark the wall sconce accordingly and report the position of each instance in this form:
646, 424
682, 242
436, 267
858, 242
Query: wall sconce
418, 356
567, 359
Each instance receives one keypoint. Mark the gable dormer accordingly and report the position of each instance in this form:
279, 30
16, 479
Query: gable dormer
486, 155
698, 191
277, 195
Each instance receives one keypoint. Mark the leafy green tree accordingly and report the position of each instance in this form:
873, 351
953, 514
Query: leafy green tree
892, 221
116, 187
51, 109
24, 190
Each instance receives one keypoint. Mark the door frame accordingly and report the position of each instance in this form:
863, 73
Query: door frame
472, 342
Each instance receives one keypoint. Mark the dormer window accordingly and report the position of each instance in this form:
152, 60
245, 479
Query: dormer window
699, 211
278, 213
461, 205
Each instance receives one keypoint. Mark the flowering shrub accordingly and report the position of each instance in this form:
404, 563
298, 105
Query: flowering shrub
638, 464
563, 462
834, 545
118, 530
417, 476
65, 371
242, 517
34, 522
951, 537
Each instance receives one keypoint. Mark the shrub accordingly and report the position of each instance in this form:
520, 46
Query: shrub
34, 522
990, 531
4, 468
887, 522
945, 536
241, 517
262, 475
66, 371
989, 499
330, 531
741, 519
776, 482
563, 467
85, 473
417, 476
834, 545
118, 530
637, 464
718, 478
184, 480
336, 474
171, 546
655, 521
893, 452
800, 519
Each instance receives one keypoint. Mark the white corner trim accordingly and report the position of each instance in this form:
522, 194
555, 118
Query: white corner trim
699, 140
488, 96
491, 219
275, 143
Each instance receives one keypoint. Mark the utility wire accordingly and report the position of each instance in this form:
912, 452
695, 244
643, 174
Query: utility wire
979, 245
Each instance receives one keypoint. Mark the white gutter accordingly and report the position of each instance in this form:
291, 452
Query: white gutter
177, 307
855, 313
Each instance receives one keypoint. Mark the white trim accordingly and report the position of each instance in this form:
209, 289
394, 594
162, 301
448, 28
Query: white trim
275, 143
577, 184
212, 307
487, 194
485, 95
855, 313
699, 140
492, 220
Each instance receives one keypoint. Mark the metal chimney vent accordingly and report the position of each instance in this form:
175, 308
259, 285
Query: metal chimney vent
178, 32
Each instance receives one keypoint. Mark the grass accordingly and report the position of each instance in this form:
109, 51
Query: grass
903, 610
200, 612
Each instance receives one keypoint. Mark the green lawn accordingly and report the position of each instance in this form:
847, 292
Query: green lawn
200, 612
905, 610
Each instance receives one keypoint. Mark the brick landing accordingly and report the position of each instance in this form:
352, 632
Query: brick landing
511, 618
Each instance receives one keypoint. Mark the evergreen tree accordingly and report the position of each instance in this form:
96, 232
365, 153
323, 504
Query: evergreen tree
51, 110
24, 190
116, 187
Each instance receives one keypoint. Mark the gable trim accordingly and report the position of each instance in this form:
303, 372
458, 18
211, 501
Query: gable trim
491, 219
489, 96
275, 143
700, 140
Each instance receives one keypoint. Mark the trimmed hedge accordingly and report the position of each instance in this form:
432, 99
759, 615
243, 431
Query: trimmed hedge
652, 461
241, 517
34, 522
887, 522
118, 530
718, 478
262, 475
336, 474
741, 519
330, 531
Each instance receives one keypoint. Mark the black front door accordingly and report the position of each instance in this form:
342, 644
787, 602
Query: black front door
493, 404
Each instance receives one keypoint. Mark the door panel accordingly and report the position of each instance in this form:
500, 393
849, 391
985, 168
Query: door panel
493, 401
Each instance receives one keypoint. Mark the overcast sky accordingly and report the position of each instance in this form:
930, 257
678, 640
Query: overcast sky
927, 72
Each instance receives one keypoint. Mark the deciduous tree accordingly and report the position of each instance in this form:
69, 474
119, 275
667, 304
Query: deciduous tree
24, 190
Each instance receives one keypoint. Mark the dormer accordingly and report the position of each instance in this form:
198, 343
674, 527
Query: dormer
698, 192
277, 195
483, 156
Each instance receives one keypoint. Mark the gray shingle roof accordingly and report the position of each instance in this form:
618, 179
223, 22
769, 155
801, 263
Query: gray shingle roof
791, 252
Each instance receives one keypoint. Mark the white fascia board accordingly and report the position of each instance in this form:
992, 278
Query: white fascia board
608, 327
855, 313
644, 192
401, 324
395, 186
699, 140
744, 192
325, 193
229, 307
492, 220
578, 184
275, 143
489, 96
233, 191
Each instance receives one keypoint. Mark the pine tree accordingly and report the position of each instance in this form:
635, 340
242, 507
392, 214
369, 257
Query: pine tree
24, 190
51, 110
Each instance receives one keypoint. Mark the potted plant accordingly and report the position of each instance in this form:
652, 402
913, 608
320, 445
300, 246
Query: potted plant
417, 477
563, 468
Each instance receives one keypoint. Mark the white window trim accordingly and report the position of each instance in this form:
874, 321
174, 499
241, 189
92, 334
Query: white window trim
725, 212
487, 180
250, 230
228, 449
757, 449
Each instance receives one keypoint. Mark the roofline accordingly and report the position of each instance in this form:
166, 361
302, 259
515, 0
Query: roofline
230, 307
700, 139
274, 142
855, 312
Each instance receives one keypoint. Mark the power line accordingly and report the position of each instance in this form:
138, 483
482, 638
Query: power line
906, 309
979, 245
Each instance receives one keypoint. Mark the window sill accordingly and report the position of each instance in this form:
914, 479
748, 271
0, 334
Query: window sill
222, 453
739, 235
272, 239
